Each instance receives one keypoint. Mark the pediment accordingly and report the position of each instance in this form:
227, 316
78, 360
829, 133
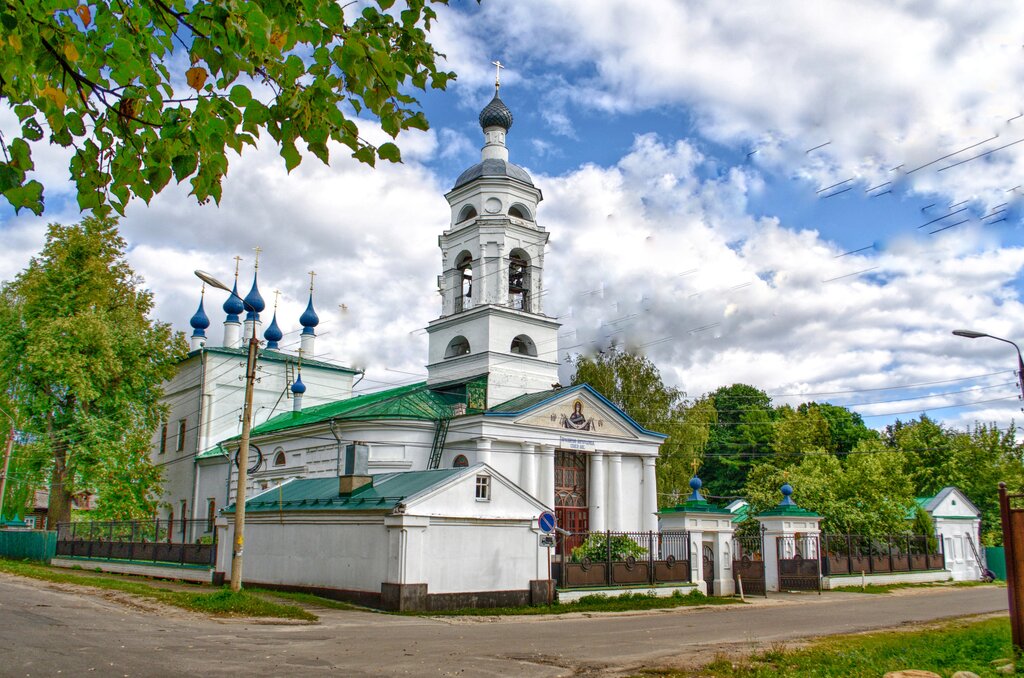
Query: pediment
579, 412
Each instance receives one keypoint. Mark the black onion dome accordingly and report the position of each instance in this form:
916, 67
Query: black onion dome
496, 114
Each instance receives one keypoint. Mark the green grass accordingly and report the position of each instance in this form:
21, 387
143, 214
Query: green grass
886, 588
596, 603
221, 602
310, 599
944, 649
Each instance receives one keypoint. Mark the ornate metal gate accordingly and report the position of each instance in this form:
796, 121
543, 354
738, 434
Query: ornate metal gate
748, 565
571, 494
709, 568
799, 564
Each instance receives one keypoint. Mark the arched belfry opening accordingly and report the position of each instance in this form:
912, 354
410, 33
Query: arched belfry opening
520, 212
467, 212
464, 282
519, 280
523, 345
456, 347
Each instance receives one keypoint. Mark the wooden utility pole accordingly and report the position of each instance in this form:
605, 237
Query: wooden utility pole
243, 463
1013, 545
7, 463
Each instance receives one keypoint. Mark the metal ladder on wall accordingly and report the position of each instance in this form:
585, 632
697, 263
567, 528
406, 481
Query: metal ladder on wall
437, 447
977, 556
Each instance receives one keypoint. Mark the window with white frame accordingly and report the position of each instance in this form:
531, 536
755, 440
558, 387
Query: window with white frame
483, 488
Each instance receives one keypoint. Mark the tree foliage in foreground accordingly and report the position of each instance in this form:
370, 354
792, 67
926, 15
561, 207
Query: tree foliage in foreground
146, 92
82, 365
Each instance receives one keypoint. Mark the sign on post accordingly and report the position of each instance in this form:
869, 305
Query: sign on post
547, 540
546, 522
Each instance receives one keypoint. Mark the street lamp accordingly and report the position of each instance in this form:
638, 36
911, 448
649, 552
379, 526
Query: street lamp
243, 445
971, 334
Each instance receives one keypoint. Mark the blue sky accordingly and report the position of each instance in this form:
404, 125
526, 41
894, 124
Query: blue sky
682, 149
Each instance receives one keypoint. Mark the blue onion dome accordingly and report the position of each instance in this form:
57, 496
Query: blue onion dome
309, 319
787, 499
234, 306
298, 387
254, 301
200, 321
273, 333
496, 114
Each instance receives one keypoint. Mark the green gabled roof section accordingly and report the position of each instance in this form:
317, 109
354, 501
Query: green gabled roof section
274, 356
386, 492
528, 401
213, 452
416, 402
790, 510
694, 506
741, 513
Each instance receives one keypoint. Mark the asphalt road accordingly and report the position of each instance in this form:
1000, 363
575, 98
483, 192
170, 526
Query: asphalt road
48, 629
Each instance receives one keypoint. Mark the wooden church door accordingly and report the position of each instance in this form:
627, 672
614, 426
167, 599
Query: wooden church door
571, 491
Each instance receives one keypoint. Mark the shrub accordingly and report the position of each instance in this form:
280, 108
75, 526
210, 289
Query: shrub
596, 548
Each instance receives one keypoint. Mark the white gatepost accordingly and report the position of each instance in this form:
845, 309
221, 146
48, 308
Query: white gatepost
782, 527
709, 525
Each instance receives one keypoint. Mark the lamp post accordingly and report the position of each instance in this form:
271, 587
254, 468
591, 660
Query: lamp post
7, 462
243, 445
971, 334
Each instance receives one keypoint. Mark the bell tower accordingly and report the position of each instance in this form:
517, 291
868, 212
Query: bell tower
492, 320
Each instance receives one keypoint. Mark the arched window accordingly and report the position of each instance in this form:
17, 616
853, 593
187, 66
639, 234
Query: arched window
460, 462
280, 459
456, 347
464, 295
523, 345
211, 514
468, 212
520, 212
519, 280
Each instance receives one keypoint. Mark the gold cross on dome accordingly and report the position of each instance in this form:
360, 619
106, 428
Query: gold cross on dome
257, 250
497, 72
695, 464
277, 294
312, 274
238, 261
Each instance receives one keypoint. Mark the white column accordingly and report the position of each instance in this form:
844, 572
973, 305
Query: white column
649, 501
306, 342
483, 450
697, 560
596, 491
613, 512
232, 332
528, 468
724, 584
546, 476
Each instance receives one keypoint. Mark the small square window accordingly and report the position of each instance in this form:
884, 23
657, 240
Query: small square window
483, 488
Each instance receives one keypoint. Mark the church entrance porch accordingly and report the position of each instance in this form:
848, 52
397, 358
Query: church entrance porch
571, 495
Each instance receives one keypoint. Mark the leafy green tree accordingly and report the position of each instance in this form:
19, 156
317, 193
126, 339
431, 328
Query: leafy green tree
83, 364
634, 384
796, 432
845, 427
927, 446
924, 525
739, 440
865, 493
149, 91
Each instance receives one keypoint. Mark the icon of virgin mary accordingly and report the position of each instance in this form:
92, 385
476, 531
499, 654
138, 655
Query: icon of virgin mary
577, 421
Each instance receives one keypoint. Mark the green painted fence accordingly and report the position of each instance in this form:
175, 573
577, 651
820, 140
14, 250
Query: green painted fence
32, 544
995, 557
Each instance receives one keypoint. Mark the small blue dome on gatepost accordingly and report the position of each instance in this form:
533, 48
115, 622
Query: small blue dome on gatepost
787, 499
298, 387
695, 485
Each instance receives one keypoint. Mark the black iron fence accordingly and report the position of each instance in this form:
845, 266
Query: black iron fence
748, 565
853, 554
186, 542
622, 558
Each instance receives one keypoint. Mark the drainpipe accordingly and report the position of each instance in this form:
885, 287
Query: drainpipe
338, 438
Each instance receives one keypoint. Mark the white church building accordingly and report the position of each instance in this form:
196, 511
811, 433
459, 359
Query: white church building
479, 448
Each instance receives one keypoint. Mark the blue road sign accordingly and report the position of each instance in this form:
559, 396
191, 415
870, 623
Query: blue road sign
546, 521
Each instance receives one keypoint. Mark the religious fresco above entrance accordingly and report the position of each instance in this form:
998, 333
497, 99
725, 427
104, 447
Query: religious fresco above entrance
578, 414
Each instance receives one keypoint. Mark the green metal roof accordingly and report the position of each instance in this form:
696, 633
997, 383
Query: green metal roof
793, 510
741, 514
213, 452
321, 494
525, 401
274, 356
703, 506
